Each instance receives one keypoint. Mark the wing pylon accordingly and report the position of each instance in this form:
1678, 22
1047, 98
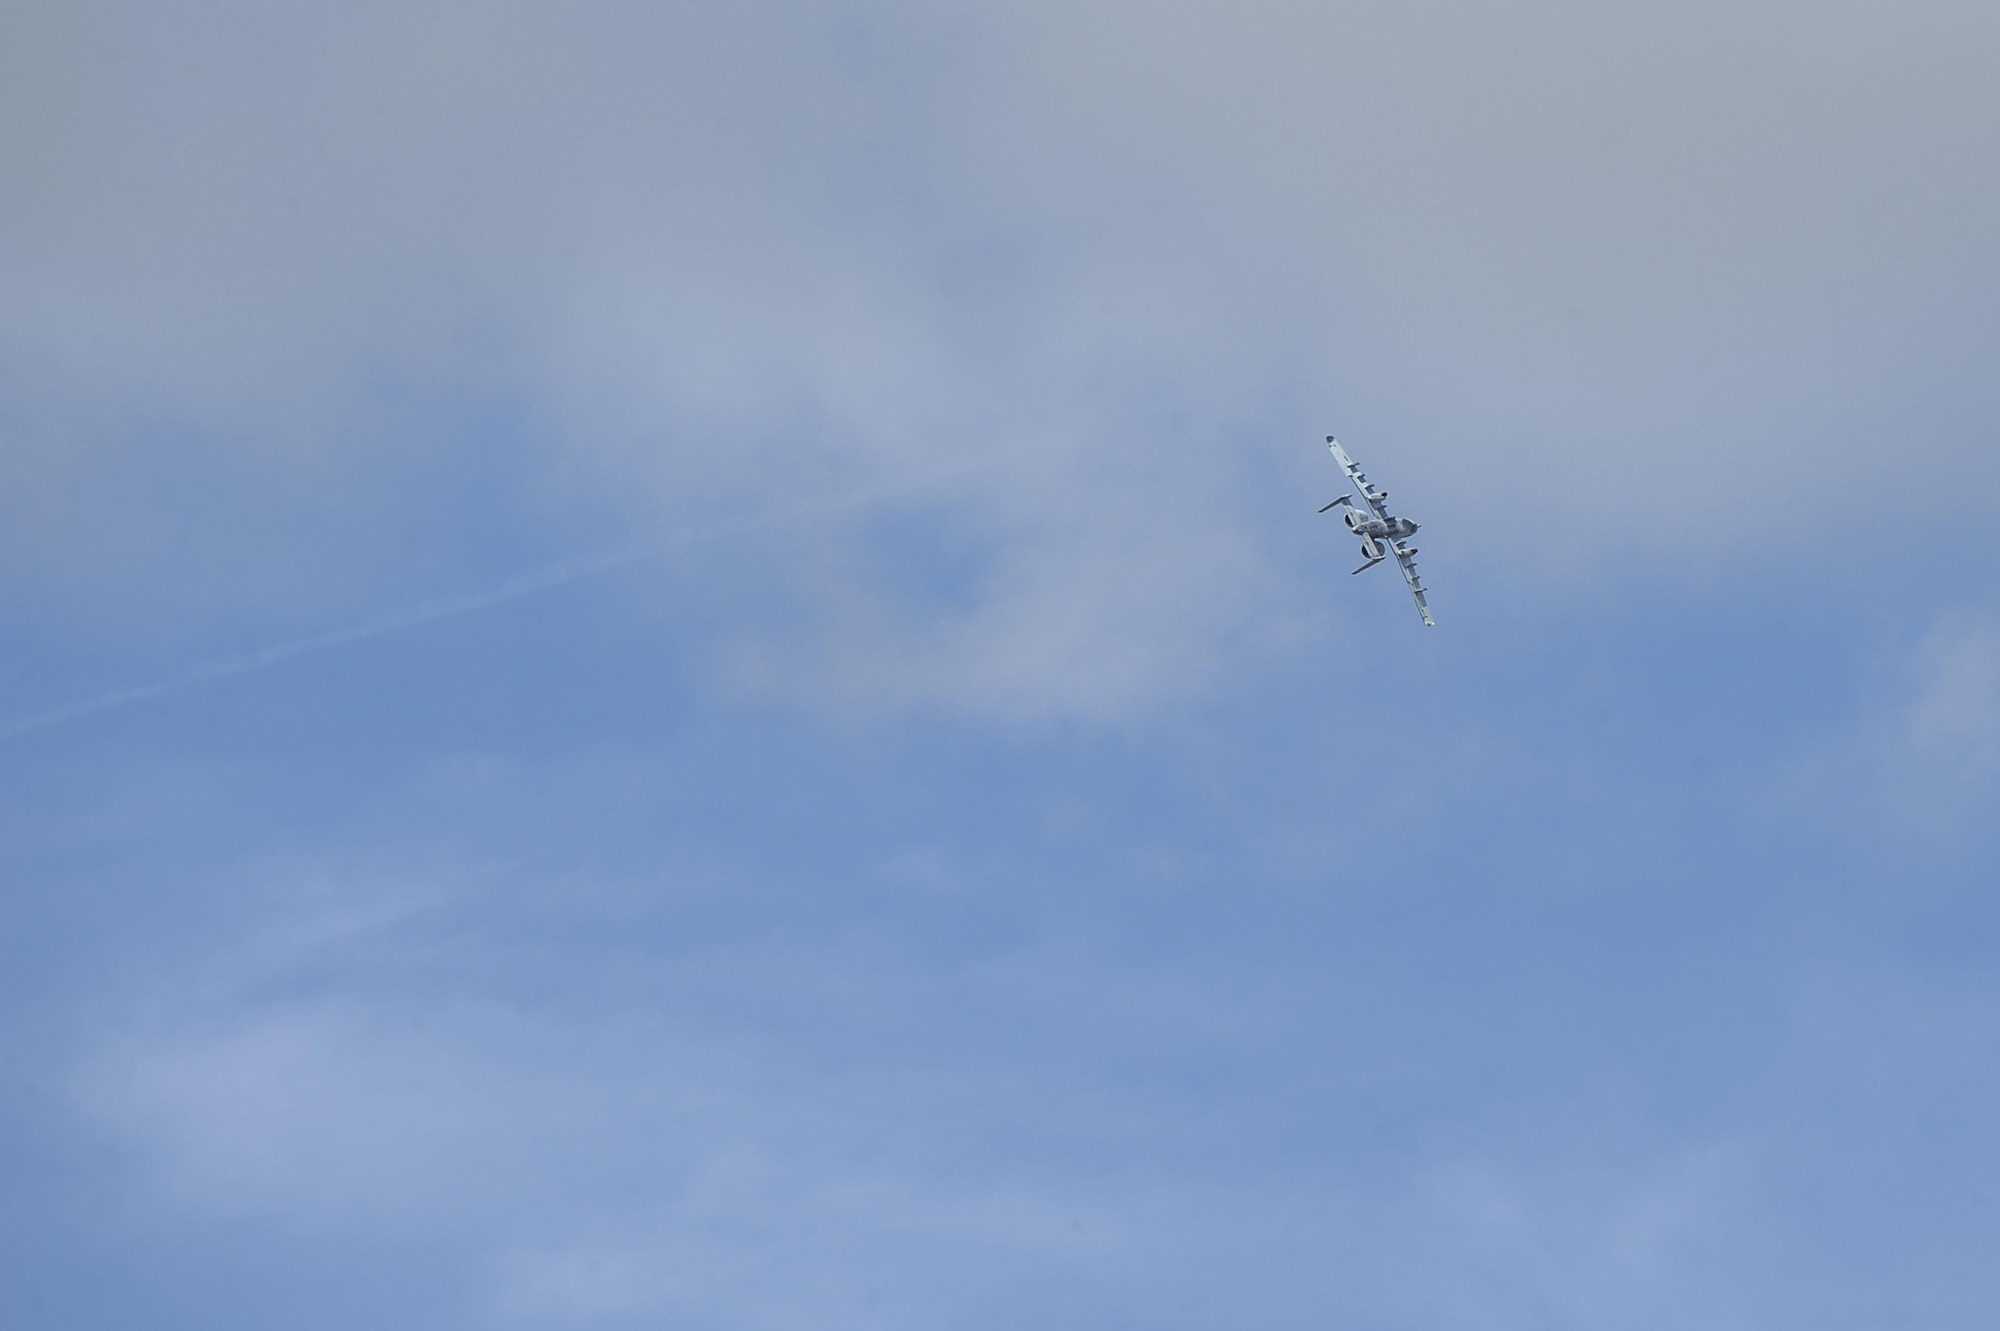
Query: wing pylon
1406, 559
1377, 500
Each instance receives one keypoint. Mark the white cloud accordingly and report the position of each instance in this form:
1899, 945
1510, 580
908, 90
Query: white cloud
612, 1170
267, 263
1921, 766
612, 1164
1632, 1247
1955, 719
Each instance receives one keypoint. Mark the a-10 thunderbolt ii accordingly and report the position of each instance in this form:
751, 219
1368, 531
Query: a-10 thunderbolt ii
1382, 534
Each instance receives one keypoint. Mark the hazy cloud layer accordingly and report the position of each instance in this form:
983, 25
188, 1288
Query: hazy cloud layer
1685, 275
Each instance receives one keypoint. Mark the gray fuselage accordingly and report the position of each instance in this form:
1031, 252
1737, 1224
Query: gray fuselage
1363, 523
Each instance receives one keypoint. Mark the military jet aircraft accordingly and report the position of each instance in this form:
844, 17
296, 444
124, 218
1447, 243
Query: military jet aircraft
1382, 535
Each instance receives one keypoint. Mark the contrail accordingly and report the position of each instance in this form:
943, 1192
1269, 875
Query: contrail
242, 663
555, 575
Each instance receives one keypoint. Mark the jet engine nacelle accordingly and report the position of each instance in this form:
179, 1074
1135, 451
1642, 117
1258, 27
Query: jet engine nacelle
1371, 549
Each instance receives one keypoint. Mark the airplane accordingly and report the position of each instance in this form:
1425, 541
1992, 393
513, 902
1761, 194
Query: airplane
1381, 534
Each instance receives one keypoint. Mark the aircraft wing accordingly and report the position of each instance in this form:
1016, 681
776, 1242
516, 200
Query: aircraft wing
1408, 563
1375, 499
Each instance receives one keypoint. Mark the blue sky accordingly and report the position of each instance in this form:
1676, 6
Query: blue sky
674, 667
